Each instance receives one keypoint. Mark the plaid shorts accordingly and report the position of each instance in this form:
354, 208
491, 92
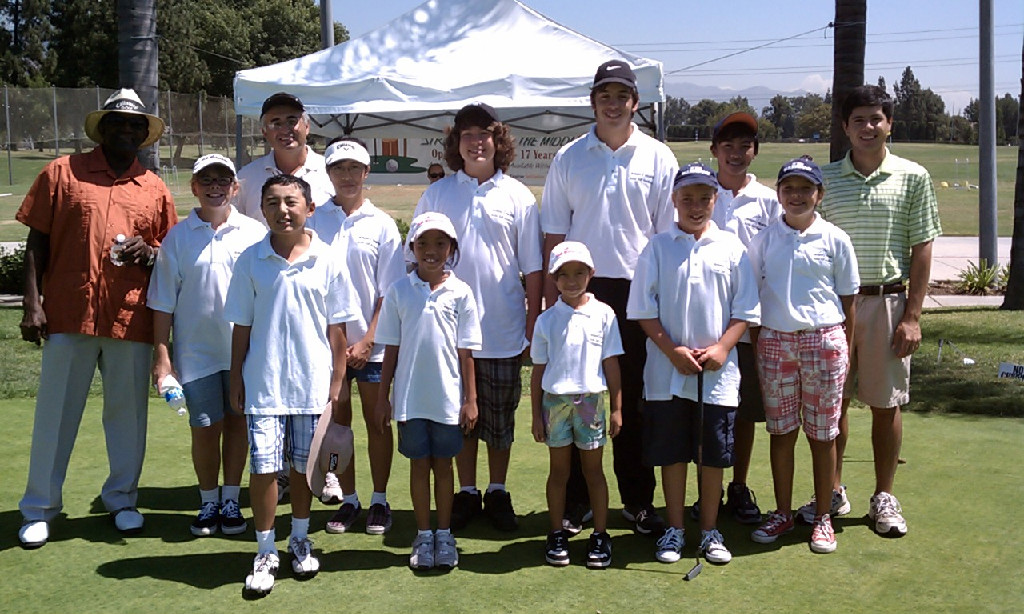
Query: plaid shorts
499, 386
802, 376
271, 437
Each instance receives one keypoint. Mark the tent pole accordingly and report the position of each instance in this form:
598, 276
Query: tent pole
661, 121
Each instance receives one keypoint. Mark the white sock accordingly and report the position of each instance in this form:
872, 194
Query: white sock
495, 486
379, 498
300, 527
352, 498
427, 533
471, 489
265, 541
230, 493
210, 496
443, 532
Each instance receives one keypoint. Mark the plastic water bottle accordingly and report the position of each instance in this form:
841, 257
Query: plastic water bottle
115, 251
171, 390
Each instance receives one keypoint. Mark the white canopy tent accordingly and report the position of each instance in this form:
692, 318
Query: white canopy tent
407, 78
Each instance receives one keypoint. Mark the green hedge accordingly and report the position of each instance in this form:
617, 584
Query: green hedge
12, 270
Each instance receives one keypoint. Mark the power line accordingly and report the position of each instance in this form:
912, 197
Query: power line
754, 48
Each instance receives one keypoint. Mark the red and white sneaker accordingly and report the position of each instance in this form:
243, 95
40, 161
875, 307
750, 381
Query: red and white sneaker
776, 525
823, 538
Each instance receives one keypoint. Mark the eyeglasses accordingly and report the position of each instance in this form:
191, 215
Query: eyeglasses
436, 175
221, 181
280, 124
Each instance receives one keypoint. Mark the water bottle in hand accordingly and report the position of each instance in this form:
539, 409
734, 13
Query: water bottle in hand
115, 250
171, 390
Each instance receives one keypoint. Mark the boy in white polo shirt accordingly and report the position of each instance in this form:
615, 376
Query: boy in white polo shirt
499, 240
289, 299
807, 275
744, 207
189, 285
575, 353
694, 295
372, 247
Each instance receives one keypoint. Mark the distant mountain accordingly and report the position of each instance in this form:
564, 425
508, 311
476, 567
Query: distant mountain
758, 95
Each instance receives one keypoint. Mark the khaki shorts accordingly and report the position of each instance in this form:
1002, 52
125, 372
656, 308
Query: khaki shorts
877, 375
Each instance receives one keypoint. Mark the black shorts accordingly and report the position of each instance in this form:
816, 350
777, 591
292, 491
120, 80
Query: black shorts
670, 433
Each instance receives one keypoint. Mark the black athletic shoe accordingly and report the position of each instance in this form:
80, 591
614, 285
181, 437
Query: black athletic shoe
645, 520
742, 504
575, 517
498, 507
599, 550
695, 508
556, 549
465, 507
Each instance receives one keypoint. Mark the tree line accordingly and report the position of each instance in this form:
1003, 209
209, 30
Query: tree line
202, 43
919, 115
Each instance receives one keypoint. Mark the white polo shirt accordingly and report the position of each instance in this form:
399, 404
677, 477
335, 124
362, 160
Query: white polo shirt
289, 305
694, 287
499, 238
749, 211
372, 248
612, 201
429, 327
573, 343
801, 275
253, 175
190, 280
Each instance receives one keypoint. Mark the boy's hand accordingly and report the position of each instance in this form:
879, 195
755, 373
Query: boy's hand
382, 413
236, 393
467, 416
539, 429
357, 354
712, 357
684, 360
614, 423
162, 369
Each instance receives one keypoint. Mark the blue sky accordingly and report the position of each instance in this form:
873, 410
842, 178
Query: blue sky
938, 39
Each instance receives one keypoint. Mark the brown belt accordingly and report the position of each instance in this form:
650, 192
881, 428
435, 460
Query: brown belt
893, 288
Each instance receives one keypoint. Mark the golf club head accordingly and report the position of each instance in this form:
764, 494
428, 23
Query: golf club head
693, 573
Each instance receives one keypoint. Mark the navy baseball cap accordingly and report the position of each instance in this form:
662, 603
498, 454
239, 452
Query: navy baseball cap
801, 167
282, 99
695, 173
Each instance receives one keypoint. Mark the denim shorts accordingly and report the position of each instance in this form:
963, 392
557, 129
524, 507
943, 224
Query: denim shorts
421, 438
207, 399
369, 374
271, 436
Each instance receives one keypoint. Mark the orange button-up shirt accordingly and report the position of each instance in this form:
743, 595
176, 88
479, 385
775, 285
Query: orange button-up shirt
79, 202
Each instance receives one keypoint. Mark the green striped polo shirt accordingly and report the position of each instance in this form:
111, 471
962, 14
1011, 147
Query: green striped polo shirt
885, 213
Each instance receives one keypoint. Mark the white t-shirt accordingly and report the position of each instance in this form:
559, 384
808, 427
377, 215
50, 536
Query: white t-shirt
289, 305
748, 212
573, 343
190, 280
499, 238
612, 201
801, 275
372, 248
694, 287
429, 328
253, 175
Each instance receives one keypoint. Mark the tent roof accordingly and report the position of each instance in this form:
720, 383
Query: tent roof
412, 73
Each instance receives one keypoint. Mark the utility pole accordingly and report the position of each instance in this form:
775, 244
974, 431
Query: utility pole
988, 233
138, 61
326, 25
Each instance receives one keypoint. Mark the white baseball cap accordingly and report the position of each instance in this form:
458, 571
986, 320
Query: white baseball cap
211, 160
346, 150
569, 251
431, 220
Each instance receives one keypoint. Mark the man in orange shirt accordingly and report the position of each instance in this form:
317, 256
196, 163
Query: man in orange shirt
94, 312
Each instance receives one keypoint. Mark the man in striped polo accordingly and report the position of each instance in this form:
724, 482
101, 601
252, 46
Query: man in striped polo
888, 207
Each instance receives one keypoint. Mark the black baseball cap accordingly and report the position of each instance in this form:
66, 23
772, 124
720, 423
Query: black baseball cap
614, 71
477, 113
282, 99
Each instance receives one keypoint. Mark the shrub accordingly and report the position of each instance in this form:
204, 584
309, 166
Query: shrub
12, 270
980, 279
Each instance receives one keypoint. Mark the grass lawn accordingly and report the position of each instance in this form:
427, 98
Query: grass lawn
960, 490
958, 208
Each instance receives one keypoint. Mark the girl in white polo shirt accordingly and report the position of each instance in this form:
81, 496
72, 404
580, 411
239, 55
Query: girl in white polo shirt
807, 275
429, 327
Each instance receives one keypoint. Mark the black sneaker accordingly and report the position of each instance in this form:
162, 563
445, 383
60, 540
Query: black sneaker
599, 550
207, 520
645, 520
465, 507
231, 520
556, 549
575, 517
498, 507
344, 518
695, 508
743, 504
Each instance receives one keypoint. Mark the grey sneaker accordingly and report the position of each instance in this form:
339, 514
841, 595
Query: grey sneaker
422, 557
840, 507
331, 494
284, 480
712, 546
885, 510
446, 556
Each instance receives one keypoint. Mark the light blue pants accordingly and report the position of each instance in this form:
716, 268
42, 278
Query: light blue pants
69, 362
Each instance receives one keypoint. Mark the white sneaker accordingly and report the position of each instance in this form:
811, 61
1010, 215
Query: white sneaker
885, 510
128, 520
34, 534
712, 546
264, 571
446, 555
670, 545
840, 507
304, 562
422, 557
332, 490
